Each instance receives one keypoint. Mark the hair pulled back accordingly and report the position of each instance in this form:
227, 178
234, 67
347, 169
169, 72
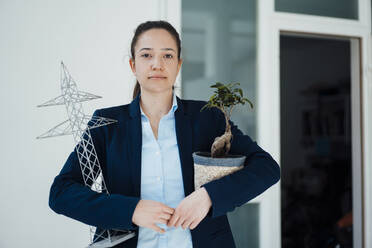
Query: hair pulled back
145, 26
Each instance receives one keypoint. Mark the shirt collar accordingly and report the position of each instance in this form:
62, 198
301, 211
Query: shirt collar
173, 108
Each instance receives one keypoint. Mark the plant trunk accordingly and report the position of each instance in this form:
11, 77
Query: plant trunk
221, 145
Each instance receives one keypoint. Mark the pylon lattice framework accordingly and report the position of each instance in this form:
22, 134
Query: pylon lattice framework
79, 125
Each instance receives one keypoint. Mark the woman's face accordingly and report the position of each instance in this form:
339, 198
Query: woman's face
156, 62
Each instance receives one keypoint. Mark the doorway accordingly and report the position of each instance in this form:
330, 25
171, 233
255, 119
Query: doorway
320, 163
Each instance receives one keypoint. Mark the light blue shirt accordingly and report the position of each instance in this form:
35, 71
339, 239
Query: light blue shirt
161, 180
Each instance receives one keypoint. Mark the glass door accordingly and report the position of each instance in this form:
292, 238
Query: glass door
219, 44
320, 159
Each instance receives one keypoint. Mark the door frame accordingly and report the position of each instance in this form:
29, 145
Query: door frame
270, 25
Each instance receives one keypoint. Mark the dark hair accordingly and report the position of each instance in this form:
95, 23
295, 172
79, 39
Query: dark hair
143, 27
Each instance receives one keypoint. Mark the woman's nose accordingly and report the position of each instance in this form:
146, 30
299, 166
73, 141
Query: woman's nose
157, 63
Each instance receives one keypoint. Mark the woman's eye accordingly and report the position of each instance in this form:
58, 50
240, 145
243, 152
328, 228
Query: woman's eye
169, 56
145, 55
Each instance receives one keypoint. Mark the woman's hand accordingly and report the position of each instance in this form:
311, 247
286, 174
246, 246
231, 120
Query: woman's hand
192, 210
148, 212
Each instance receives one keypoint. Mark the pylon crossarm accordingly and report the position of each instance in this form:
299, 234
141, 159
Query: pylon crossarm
97, 121
59, 100
61, 129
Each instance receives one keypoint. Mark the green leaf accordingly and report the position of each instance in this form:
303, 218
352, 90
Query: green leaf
241, 92
226, 96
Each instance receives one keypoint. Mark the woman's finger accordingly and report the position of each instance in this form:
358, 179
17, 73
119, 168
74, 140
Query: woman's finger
162, 221
186, 223
173, 220
179, 222
167, 209
157, 229
194, 224
165, 216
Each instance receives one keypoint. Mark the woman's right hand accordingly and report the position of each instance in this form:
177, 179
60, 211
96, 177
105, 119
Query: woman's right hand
147, 213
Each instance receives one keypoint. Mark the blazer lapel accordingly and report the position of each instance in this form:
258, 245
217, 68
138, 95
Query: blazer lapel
134, 131
184, 140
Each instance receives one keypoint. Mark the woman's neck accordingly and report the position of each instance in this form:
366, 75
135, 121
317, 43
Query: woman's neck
156, 105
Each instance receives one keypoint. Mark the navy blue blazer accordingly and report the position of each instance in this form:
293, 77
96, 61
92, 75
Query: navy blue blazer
118, 147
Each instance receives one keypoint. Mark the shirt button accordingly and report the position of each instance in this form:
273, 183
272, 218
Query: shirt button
157, 153
158, 178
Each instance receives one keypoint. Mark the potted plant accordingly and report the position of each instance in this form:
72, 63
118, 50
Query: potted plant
218, 162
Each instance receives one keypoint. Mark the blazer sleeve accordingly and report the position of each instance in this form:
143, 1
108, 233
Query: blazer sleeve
70, 197
260, 172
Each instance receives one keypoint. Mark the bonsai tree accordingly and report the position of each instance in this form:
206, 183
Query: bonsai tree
225, 98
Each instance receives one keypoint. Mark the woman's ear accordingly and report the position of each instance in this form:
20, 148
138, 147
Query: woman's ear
132, 65
180, 61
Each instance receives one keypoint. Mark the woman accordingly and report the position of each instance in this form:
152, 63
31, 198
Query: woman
146, 158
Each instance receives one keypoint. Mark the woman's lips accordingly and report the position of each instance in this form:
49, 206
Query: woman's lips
157, 78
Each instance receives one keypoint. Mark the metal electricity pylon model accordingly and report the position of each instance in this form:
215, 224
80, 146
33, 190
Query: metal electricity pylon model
79, 125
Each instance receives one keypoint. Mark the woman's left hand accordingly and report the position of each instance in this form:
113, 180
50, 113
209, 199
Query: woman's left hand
191, 210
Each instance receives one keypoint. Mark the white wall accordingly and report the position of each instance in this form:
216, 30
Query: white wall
92, 37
